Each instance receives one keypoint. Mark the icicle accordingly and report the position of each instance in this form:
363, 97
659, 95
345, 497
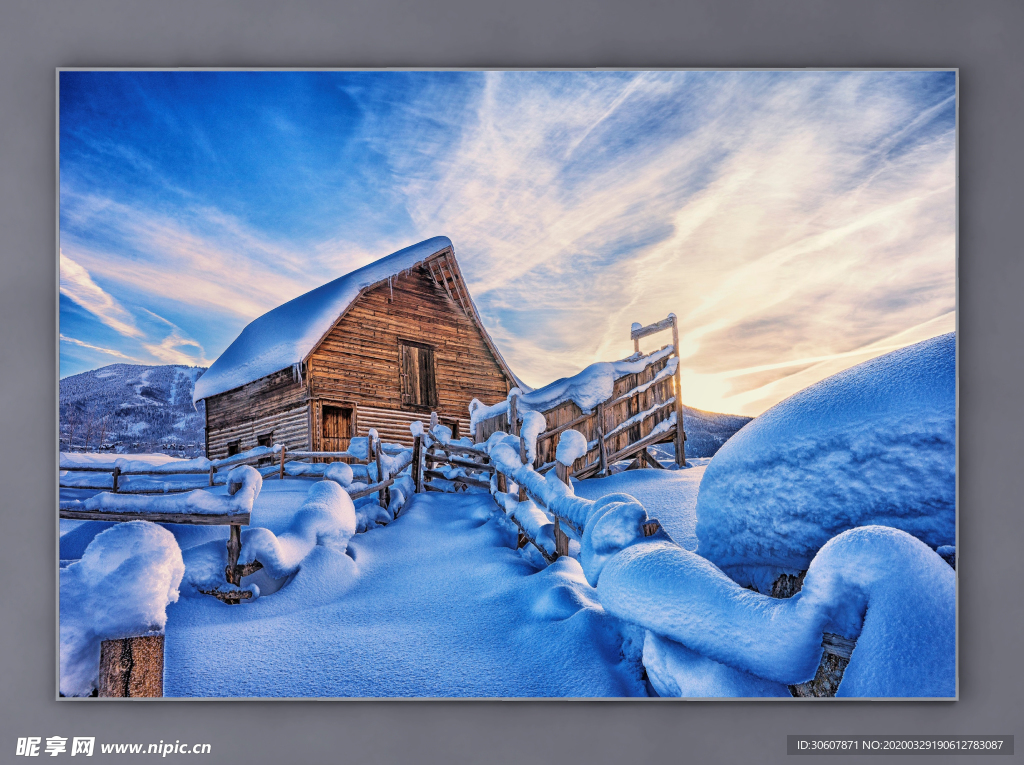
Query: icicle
391, 290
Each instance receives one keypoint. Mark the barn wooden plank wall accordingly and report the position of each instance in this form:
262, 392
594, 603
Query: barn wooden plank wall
275, 403
358, 363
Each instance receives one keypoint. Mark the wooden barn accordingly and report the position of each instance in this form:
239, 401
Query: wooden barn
380, 347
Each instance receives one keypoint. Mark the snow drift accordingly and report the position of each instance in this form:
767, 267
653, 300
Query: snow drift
878, 585
874, 444
120, 588
327, 517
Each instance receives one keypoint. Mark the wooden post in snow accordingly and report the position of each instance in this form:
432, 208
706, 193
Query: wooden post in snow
212, 471
522, 458
680, 432
601, 449
561, 540
384, 496
513, 416
562, 472
283, 450
132, 667
114, 475
231, 571
417, 467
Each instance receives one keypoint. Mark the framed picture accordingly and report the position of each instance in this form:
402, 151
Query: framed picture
508, 384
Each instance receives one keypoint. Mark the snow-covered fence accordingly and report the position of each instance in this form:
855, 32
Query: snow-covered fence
197, 507
169, 478
621, 408
164, 474
441, 463
876, 612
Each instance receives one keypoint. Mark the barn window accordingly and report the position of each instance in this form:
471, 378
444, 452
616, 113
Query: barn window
234, 447
419, 387
267, 439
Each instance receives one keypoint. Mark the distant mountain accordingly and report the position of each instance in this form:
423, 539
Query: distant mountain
707, 431
131, 408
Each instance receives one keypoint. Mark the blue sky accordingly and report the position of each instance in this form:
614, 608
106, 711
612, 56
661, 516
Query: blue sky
796, 222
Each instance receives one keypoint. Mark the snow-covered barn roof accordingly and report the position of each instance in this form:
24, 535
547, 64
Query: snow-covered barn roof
287, 334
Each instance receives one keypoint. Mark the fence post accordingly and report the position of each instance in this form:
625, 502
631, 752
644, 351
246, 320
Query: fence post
212, 471
234, 548
513, 416
132, 667
283, 450
562, 471
417, 468
561, 540
383, 496
680, 432
522, 458
116, 472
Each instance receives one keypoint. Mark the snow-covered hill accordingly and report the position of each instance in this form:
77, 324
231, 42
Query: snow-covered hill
872, 445
131, 408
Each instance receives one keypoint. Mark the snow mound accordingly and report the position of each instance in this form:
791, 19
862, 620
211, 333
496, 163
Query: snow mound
874, 444
284, 336
676, 671
878, 585
613, 525
327, 517
120, 588
340, 473
571, 446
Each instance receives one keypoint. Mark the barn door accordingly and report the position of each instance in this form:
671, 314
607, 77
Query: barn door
336, 428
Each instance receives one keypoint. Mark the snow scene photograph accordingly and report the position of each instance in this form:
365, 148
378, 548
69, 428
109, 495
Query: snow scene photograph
507, 384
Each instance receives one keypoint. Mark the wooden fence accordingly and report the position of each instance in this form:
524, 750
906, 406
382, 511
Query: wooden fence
233, 572
622, 427
477, 468
375, 450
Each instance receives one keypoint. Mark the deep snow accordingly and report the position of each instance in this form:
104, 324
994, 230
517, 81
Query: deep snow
668, 495
438, 603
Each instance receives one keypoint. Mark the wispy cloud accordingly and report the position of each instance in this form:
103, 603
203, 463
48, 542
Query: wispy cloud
91, 347
780, 219
796, 222
176, 347
77, 284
